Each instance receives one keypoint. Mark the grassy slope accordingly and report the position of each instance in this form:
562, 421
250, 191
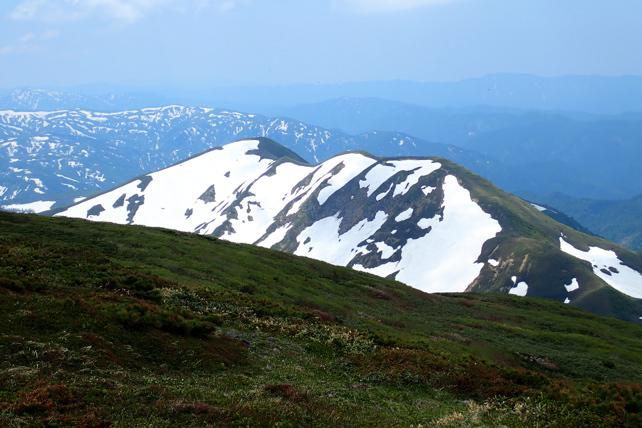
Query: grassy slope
135, 326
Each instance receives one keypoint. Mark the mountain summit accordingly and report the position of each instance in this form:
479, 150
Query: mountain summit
426, 222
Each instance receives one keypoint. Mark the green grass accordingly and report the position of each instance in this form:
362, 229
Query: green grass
130, 326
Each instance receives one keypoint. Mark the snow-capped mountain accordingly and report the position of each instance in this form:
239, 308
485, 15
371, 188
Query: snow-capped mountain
57, 157
426, 222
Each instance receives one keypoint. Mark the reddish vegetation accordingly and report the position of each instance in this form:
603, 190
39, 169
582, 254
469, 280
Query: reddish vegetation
287, 391
46, 399
323, 316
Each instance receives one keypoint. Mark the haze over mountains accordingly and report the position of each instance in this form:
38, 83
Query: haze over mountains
587, 94
544, 156
66, 154
320, 213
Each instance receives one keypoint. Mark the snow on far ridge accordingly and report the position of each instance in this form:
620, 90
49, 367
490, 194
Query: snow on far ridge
31, 207
382, 172
608, 267
421, 168
322, 240
386, 250
493, 262
353, 165
445, 259
269, 195
176, 189
405, 215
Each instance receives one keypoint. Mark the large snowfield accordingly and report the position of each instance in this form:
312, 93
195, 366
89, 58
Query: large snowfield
246, 196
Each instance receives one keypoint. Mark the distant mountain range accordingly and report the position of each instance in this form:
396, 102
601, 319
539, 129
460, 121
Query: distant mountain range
99, 137
67, 154
425, 222
589, 94
582, 155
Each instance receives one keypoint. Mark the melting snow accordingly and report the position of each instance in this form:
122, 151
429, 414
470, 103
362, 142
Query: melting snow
520, 289
427, 190
322, 240
32, 207
404, 215
574, 285
493, 262
382, 172
421, 169
380, 196
386, 250
609, 268
445, 259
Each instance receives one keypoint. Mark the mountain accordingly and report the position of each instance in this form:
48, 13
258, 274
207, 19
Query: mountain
110, 325
617, 220
86, 98
584, 155
590, 94
56, 157
425, 222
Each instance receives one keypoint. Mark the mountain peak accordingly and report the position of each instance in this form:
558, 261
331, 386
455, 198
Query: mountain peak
270, 149
426, 222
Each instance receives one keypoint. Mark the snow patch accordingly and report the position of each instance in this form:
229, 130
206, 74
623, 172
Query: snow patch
574, 285
445, 259
32, 207
322, 240
405, 215
520, 289
386, 250
607, 266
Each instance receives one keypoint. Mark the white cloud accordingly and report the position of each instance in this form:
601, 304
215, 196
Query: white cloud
127, 11
373, 6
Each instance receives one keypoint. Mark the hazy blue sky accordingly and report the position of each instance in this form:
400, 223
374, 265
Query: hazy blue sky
211, 42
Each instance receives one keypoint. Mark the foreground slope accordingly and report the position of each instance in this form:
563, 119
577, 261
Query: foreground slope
102, 323
425, 222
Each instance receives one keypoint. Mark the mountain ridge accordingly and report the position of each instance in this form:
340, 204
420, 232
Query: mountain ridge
340, 211
70, 154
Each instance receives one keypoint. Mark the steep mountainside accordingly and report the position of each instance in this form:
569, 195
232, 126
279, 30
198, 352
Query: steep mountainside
426, 222
50, 157
106, 325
